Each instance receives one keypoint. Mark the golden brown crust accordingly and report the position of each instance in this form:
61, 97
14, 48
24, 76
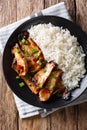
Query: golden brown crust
31, 85
53, 84
28, 81
42, 76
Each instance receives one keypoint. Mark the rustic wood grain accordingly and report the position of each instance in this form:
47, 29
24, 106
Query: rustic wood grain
8, 111
81, 14
35, 123
81, 20
28, 7
71, 118
82, 116
65, 119
7, 12
70, 5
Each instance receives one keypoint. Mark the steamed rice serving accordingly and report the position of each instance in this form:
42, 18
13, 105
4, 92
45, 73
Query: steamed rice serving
59, 45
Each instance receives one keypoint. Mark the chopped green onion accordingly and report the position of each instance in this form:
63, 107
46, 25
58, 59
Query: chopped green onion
18, 50
17, 77
54, 76
34, 50
37, 56
40, 86
21, 84
25, 41
26, 52
39, 62
51, 87
44, 70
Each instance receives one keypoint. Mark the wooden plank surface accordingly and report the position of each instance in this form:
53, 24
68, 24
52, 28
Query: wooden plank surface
81, 14
8, 112
70, 5
28, 7
71, 118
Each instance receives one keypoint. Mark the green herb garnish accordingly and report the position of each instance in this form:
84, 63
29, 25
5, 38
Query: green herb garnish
26, 52
21, 84
51, 87
44, 70
17, 77
39, 62
24, 41
40, 86
34, 50
18, 50
37, 56
54, 76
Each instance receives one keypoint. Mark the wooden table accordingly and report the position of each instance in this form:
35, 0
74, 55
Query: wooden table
71, 118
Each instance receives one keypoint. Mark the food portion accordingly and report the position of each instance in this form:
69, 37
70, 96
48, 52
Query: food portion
27, 79
31, 51
53, 84
41, 76
49, 60
58, 45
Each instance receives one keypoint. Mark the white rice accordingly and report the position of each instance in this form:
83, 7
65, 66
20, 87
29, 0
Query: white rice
59, 45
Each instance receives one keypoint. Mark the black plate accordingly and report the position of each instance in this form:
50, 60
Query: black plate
24, 93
